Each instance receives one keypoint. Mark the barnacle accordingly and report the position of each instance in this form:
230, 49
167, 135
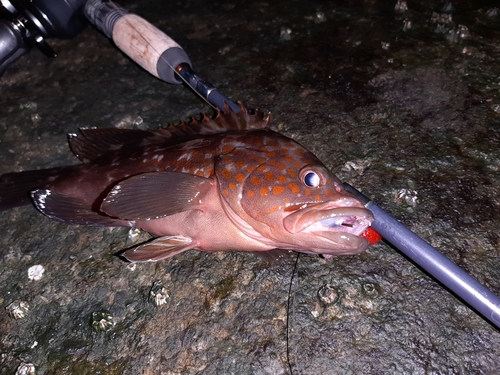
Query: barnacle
158, 294
17, 309
102, 321
26, 369
328, 294
36, 272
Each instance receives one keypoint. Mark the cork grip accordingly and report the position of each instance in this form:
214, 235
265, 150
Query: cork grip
141, 41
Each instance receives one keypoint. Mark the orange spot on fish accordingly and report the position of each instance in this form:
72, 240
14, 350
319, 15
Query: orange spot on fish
226, 173
299, 151
317, 197
277, 164
232, 186
255, 158
256, 181
282, 178
271, 154
273, 209
263, 192
239, 177
261, 168
269, 176
272, 142
307, 192
292, 173
278, 190
226, 149
251, 193
225, 193
297, 163
247, 140
259, 141
240, 164
239, 152
294, 187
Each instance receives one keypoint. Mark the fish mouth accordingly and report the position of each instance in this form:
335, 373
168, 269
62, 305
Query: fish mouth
346, 215
338, 222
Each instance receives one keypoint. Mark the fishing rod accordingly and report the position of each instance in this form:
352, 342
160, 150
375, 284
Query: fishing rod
26, 23
161, 56
152, 49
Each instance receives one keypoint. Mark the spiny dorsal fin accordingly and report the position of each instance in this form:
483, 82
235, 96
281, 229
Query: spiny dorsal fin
224, 121
92, 143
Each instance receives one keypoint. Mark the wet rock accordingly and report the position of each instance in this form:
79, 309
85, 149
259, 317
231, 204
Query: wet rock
406, 114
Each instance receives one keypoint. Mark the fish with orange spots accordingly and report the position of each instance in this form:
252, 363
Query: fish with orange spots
214, 184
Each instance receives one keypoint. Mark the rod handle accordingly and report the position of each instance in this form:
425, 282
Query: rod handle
144, 43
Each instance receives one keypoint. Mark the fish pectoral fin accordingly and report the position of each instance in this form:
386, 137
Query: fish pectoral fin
158, 249
155, 195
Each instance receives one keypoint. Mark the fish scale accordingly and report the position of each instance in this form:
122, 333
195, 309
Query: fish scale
221, 184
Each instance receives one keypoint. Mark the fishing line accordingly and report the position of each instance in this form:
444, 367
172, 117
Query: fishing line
294, 271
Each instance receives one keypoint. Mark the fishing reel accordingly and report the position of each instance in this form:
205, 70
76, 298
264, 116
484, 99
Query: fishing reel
26, 23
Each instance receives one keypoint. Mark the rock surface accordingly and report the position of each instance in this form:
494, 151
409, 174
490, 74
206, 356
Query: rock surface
403, 104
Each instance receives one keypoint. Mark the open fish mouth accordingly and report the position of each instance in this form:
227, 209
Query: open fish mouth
350, 220
344, 215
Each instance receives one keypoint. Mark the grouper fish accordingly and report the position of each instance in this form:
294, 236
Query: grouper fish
210, 184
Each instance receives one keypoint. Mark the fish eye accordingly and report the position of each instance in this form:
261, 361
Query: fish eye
311, 179
314, 176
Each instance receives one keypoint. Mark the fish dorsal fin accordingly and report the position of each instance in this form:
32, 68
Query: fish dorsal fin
92, 143
224, 121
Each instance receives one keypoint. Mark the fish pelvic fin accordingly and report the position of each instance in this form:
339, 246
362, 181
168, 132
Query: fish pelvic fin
158, 249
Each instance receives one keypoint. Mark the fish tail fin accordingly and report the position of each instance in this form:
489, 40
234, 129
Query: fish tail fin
16, 188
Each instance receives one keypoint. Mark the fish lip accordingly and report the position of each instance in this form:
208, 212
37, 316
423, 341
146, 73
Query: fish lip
346, 215
343, 243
